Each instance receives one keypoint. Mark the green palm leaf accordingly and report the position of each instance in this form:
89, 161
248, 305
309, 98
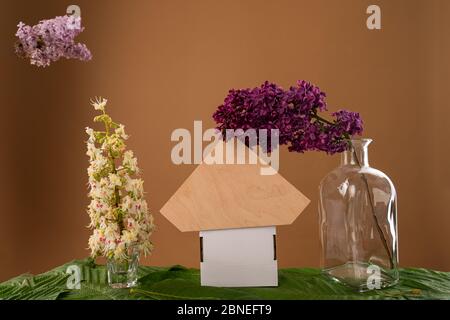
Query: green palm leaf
178, 282
41, 287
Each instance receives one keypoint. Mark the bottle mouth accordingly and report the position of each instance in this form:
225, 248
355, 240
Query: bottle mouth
361, 142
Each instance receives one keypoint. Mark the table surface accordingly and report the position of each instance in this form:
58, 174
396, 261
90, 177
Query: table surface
178, 282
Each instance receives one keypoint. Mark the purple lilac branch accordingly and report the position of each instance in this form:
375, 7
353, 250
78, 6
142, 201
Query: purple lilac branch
50, 40
294, 112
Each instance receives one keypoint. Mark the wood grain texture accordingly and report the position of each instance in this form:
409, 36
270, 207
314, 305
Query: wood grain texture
226, 196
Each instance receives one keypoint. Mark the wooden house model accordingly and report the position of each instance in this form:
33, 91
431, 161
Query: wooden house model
236, 210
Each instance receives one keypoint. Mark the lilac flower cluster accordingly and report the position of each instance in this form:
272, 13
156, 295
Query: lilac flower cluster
50, 40
294, 112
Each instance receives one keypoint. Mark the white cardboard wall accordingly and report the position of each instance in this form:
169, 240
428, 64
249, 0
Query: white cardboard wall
239, 258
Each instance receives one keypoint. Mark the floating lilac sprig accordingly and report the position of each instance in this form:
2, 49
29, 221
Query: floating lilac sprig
50, 40
294, 112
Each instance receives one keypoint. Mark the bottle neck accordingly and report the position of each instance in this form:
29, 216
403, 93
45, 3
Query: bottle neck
358, 154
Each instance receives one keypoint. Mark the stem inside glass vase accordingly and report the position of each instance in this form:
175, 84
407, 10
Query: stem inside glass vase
361, 160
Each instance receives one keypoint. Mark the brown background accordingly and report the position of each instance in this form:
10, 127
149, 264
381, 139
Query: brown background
164, 64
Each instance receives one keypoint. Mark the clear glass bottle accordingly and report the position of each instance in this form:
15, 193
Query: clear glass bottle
124, 273
358, 223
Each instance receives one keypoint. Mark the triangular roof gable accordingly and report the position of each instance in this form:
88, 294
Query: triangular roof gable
228, 196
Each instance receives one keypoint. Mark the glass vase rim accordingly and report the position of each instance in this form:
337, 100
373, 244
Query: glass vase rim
364, 142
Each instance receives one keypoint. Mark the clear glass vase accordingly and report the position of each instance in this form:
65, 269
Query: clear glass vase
124, 273
358, 223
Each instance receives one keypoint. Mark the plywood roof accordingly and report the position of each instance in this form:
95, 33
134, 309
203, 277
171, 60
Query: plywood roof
225, 196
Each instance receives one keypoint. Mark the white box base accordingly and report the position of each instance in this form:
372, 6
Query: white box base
239, 258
